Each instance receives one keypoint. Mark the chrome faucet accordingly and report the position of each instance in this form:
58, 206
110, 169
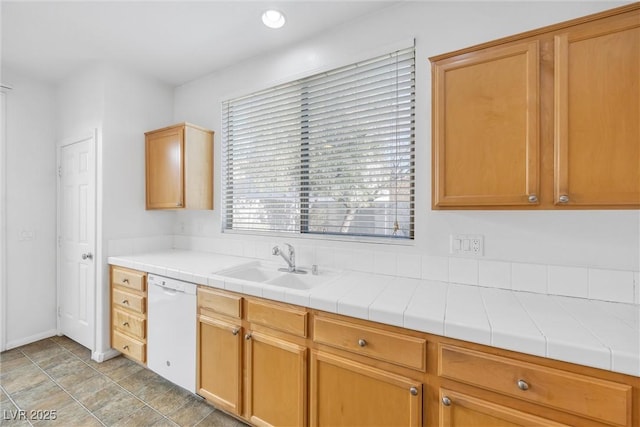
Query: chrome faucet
290, 259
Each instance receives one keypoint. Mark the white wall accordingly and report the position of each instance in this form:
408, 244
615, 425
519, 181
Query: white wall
30, 209
606, 239
134, 104
122, 105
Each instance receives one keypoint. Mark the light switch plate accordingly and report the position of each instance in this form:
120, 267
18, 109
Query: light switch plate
466, 244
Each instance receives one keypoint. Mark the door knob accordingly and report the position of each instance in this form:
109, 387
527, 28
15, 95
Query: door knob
88, 255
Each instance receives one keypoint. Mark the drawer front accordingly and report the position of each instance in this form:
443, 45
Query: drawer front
286, 319
582, 395
373, 342
210, 300
128, 278
129, 346
130, 301
130, 324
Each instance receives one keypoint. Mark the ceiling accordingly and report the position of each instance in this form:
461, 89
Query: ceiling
174, 41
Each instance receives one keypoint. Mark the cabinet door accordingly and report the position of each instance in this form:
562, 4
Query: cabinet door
460, 410
486, 128
597, 107
165, 168
277, 381
220, 363
350, 394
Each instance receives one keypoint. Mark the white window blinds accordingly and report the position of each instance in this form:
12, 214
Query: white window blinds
328, 154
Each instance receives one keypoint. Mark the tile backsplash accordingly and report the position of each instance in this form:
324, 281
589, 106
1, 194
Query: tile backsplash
581, 282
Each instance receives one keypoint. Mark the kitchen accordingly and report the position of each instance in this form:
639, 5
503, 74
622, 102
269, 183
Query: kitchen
123, 104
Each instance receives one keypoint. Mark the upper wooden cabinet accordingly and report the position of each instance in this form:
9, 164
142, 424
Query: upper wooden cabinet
546, 119
597, 113
486, 132
179, 167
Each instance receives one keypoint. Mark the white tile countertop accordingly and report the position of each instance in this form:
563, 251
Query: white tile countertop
599, 334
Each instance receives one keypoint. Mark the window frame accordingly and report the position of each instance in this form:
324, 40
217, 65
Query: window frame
304, 187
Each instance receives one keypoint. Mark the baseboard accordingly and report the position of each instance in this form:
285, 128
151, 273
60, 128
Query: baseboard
101, 356
33, 338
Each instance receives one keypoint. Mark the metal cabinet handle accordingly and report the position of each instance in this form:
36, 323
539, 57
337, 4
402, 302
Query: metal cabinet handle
125, 280
126, 347
533, 198
446, 401
88, 255
362, 342
235, 331
247, 337
563, 199
126, 324
125, 302
413, 391
522, 385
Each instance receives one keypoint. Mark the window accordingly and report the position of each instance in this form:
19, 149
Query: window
329, 154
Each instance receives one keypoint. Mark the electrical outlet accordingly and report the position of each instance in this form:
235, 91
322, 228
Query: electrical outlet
466, 244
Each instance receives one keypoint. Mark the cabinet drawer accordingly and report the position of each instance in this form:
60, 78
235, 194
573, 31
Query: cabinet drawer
128, 278
286, 319
373, 342
210, 300
129, 324
129, 301
129, 346
582, 395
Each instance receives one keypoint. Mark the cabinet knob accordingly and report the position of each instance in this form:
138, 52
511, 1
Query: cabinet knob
126, 347
533, 198
235, 331
125, 324
522, 385
446, 401
413, 391
247, 337
88, 255
362, 342
125, 280
125, 302
563, 199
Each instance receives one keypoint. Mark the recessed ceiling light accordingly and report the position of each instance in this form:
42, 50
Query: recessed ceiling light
273, 18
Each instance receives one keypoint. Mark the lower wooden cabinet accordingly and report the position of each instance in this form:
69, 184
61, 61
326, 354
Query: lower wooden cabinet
274, 364
349, 394
219, 377
258, 375
276, 381
129, 312
461, 410
584, 396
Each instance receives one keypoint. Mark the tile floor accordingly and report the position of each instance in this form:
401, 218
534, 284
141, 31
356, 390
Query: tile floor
57, 374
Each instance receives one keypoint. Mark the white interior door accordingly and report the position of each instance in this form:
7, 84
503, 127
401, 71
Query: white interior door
77, 241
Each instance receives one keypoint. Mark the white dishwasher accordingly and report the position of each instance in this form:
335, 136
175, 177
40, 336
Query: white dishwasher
171, 340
